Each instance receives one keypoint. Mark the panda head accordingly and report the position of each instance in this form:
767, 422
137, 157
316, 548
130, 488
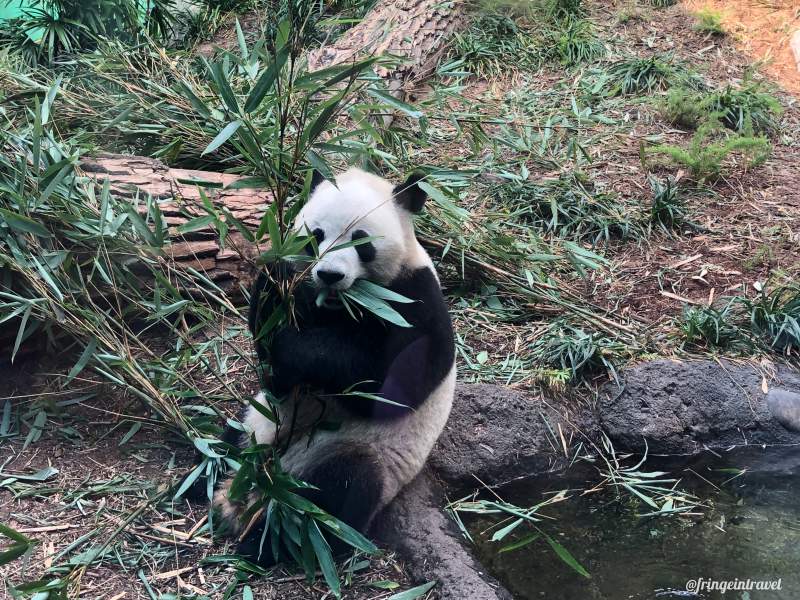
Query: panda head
362, 205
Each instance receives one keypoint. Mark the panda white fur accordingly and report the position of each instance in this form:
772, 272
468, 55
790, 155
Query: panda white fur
377, 447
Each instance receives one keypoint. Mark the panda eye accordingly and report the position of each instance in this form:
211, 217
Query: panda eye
366, 251
319, 235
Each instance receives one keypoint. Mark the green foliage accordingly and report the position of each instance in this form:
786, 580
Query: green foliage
70, 26
517, 518
561, 8
575, 41
684, 107
668, 208
709, 148
18, 545
707, 327
495, 43
769, 321
736, 107
663, 3
293, 526
641, 75
775, 318
569, 207
709, 21
584, 354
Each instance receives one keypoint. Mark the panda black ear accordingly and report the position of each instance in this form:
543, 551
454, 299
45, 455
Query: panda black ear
316, 179
409, 195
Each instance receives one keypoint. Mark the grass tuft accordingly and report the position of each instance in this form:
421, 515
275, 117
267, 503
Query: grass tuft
584, 354
495, 43
668, 209
711, 328
775, 318
570, 207
575, 41
641, 75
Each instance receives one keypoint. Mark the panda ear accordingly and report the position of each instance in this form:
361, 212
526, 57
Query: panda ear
409, 195
316, 179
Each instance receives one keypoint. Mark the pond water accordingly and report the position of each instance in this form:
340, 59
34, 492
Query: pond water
749, 528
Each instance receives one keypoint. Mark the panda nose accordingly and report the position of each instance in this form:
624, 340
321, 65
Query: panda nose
330, 277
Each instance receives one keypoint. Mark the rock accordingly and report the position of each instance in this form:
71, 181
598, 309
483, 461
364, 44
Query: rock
682, 407
785, 407
496, 434
429, 541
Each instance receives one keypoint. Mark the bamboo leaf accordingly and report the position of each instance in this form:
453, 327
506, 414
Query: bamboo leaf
21, 223
325, 558
522, 542
266, 81
82, 361
413, 593
565, 556
396, 103
222, 137
224, 88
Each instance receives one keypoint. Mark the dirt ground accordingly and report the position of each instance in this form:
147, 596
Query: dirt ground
750, 231
100, 474
762, 30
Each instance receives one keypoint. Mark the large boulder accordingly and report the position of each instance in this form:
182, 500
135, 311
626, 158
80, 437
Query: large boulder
685, 406
416, 526
496, 434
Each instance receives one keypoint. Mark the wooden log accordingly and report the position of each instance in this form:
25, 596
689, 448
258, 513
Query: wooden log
416, 31
231, 265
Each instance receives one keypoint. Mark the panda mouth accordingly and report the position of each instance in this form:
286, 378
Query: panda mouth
329, 298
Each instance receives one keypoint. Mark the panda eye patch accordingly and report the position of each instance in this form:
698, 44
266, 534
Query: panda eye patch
319, 235
366, 251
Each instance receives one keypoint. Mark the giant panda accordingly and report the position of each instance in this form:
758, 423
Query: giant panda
376, 448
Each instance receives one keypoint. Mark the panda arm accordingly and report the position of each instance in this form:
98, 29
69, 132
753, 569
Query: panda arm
419, 358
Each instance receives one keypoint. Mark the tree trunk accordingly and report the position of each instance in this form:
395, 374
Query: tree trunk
230, 267
414, 30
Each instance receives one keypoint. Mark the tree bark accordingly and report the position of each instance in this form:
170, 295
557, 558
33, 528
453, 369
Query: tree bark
230, 266
413, 30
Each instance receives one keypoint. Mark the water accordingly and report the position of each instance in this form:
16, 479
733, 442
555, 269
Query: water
750, 529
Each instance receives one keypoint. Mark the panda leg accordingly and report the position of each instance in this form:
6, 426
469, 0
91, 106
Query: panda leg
349, 482
350, 488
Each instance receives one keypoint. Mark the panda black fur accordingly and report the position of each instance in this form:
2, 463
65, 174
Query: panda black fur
377, 447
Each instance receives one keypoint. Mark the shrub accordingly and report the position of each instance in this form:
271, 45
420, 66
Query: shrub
705, 156
663, 3
709, 21
68, 26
